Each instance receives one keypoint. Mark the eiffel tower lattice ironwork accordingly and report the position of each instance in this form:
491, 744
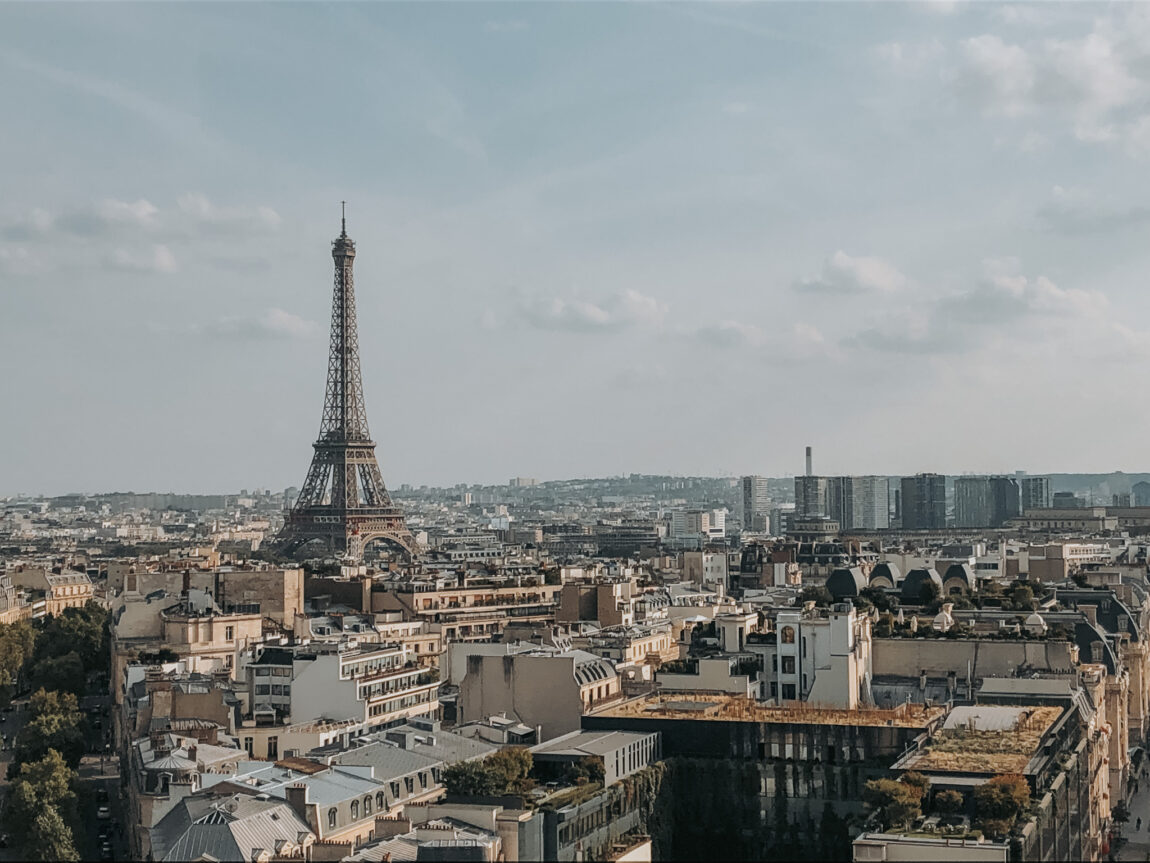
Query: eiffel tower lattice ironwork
344, 501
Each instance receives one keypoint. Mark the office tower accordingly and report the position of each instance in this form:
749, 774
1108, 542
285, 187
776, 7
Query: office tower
923, 501
756, 502
859, 502
1035, 492
986, 501
1140, 493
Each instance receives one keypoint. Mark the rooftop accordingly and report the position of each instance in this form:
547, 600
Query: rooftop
730, 708
986, 739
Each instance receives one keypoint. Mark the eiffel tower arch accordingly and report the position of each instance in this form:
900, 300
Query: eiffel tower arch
344, 502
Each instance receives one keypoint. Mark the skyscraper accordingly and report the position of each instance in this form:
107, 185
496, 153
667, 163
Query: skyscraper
859, 502
923, 501
756, 503
1035, 492
985, 501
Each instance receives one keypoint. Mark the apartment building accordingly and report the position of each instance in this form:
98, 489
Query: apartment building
366, 685
475, 610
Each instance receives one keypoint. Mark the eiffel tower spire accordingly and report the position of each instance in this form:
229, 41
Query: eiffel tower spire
344, 501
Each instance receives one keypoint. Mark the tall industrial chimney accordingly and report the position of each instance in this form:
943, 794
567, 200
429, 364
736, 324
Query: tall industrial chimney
809, 473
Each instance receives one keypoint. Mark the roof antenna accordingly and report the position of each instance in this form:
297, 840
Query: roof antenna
343, 218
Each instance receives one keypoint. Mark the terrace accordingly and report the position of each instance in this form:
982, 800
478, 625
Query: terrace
724, 708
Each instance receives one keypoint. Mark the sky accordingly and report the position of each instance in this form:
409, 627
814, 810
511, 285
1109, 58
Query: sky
593, 239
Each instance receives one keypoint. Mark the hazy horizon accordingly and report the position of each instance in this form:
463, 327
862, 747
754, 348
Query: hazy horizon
593, 239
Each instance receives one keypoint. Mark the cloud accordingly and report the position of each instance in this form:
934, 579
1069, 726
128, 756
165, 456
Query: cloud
626, 309
206, 215
736, 108
160, 260
1003, 303
274, 323
844, 274
1073, 214
732, 334
910, 58
997, 75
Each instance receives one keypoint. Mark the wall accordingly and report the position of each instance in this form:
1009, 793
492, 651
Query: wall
907, 657
539, 690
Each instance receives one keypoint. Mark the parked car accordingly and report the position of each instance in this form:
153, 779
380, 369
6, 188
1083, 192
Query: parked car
104, 813
101, 795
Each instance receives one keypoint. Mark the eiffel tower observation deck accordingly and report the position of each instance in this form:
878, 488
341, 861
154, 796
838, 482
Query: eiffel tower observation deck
344, 503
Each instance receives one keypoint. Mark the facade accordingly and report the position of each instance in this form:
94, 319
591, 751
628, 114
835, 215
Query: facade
756, 503
985, 501
1035, 491
923, 501
811, 497
478, 609
59, 589
371, 685
817, 655
542, 687
859, 502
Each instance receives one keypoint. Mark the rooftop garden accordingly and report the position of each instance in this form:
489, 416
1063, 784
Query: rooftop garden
906, 805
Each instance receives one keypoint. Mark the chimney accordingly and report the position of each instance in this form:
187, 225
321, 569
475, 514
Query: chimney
192, 751
297, 799
809, 469
389, 826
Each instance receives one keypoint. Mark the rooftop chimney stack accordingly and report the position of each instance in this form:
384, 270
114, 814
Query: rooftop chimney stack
809, 470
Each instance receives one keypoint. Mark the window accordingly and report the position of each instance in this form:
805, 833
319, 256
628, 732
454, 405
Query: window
380, 801
263, 689
788, 692
273, 748
788, 665
423, 780
788, 635
367, 805
229, 633
248, 746
354, 810
395, 790
410, 782
804, 646
331, 815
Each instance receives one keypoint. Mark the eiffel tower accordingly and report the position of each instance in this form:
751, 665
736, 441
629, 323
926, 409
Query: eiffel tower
344, 501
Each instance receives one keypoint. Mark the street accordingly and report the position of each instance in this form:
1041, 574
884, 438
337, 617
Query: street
96, 775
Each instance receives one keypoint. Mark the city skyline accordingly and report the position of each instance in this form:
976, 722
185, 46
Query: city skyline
873, 232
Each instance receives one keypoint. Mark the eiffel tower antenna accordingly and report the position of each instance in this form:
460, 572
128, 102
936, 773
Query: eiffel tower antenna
344, 502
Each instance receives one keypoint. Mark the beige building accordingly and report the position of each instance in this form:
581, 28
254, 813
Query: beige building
542, 687
60, 590
473, 612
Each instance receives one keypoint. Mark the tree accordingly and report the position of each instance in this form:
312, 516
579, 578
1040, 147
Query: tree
1022, 597
949, 802
50, 838
897, 802
39, 786
512, 766
62, 673
916, 781
929, 592
17, 641
1000, 801
1120, 813
820, 596
83, 631
884, 626
55, 724
879, 598
471, 778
